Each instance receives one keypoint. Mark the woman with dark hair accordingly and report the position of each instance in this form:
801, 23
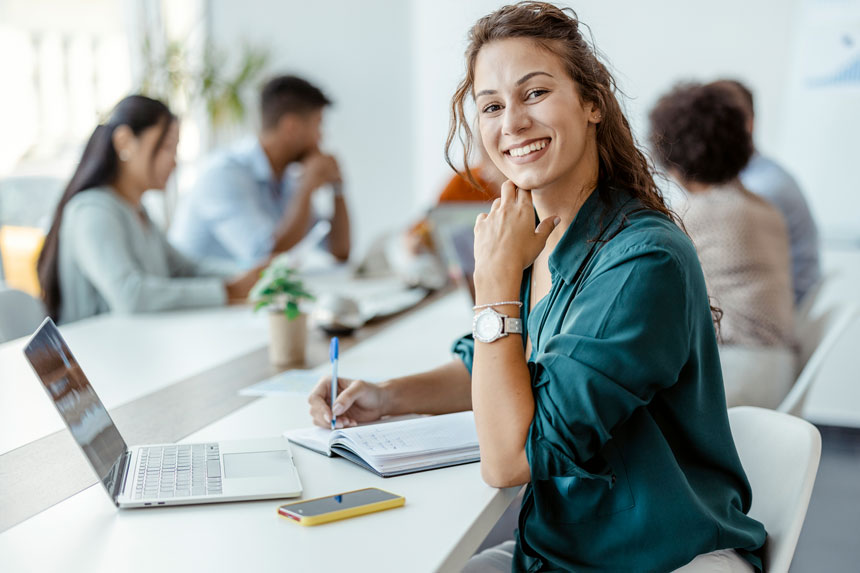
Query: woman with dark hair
592, 368
103, 253
700, 133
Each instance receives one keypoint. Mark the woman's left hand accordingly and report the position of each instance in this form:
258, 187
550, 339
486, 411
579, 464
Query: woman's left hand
506, 239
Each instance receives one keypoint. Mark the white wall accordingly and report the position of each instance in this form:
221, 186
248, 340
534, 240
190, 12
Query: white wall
359, 54
822, 113
651, 46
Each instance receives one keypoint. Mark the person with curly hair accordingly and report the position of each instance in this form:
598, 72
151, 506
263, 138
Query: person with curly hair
700, 135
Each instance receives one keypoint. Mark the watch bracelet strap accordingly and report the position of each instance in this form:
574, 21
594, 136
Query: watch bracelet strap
512, 325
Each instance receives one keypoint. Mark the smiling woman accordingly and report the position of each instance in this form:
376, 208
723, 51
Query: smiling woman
589, 409
619, 160
592, 369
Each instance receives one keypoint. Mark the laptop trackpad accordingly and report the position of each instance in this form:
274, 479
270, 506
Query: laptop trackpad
257, 464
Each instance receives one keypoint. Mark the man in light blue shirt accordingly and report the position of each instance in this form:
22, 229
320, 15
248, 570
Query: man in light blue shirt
243, 208
766, 178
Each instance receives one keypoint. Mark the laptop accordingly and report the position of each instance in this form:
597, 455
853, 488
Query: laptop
160, 474
452, 225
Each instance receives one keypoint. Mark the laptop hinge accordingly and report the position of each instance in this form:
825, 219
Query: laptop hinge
119, 487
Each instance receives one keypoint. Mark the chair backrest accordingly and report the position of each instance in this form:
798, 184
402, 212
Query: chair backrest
20, 314
818, 336
19, 253
813, 297
780, 454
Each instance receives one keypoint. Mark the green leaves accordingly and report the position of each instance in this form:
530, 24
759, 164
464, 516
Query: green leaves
281, 288
291, 310
180, 78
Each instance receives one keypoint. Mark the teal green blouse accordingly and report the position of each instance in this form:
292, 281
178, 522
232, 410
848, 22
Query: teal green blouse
633, 466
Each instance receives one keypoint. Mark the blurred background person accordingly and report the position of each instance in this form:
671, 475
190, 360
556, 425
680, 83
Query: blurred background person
417, 257
243, 207
766, 178
103, 253
485, 187
700, 135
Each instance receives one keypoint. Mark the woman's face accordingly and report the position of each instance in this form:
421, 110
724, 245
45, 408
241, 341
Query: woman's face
532, 122
150, 162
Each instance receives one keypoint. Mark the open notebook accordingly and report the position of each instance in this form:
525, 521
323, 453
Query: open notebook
400, 447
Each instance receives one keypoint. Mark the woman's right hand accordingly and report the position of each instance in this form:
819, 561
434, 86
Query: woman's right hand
357, 402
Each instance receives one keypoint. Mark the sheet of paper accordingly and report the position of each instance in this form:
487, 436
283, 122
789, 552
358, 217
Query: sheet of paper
289, 382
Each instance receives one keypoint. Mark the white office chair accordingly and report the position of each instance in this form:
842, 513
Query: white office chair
20, 314
780, 454
813, 297
817, 335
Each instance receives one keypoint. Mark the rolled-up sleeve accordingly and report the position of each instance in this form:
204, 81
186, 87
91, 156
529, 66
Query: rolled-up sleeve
464, 349
624, 336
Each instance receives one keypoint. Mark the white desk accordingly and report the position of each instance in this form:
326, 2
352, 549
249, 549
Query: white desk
447, 514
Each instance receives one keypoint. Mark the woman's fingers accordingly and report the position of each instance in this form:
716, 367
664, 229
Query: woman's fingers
318, 399
546, 227
524, 196
346, 398
509, 192
321, 415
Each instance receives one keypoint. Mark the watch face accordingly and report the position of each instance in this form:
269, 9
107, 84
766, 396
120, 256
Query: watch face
488, 325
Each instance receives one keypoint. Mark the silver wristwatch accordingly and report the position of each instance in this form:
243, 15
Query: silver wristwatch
488, 325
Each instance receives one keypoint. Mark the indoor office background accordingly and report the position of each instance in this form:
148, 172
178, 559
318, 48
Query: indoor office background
391, 66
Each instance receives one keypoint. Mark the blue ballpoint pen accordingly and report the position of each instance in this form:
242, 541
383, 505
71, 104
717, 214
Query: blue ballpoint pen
332, 355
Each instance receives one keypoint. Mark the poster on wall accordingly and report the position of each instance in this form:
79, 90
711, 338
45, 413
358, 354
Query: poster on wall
823, 146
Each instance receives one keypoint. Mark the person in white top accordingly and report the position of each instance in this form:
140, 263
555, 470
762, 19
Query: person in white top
103, 253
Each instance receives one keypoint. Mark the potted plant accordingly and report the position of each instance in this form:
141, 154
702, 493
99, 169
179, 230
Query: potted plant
281, 290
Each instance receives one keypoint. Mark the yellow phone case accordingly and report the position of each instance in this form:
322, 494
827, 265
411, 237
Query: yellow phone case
343, 513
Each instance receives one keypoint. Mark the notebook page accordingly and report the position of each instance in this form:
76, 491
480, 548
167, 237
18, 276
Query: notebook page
417, 437
313, 438
318, 439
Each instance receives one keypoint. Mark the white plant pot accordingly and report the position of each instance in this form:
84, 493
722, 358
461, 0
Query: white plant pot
287, 339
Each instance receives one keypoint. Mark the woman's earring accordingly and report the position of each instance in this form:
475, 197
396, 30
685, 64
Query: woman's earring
124, 155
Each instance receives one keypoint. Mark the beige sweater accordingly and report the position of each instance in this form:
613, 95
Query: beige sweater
743, 246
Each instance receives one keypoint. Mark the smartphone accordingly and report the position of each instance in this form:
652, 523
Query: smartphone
340, 506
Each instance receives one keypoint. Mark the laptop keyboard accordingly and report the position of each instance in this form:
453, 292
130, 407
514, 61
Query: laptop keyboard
178, 471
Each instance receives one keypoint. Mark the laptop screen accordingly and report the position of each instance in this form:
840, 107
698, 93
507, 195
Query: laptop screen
77, 402
452, 225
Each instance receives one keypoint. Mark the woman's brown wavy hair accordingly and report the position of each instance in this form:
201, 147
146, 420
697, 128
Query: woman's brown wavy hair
622, 165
